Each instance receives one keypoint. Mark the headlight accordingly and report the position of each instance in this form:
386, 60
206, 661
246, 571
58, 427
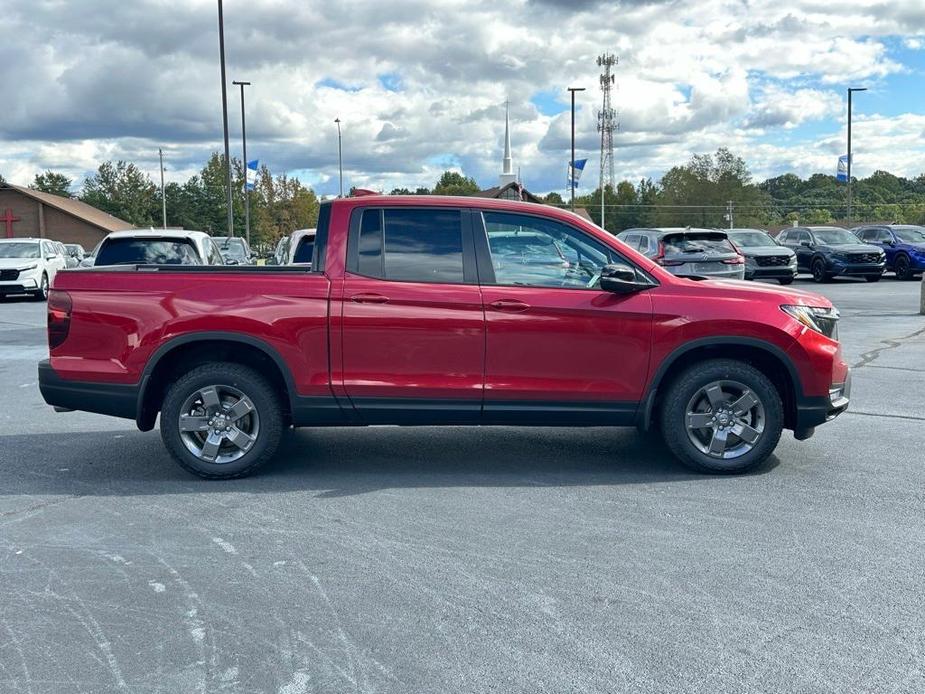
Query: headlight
30, 268
792, 261
840, 256
822, 320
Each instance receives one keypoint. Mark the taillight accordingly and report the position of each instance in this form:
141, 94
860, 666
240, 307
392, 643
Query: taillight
59, 317
738, 260
660, 257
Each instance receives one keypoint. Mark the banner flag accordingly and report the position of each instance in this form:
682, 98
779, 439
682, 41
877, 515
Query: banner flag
250, 180
574, 172
841, 173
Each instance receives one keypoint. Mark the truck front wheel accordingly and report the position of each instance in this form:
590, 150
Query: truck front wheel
221, 420
723, 416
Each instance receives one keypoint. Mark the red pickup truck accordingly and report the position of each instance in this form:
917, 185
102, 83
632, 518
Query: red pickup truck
434, 311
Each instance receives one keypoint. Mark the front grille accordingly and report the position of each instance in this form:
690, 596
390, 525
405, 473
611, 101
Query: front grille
866, 258
772, 260
9, 275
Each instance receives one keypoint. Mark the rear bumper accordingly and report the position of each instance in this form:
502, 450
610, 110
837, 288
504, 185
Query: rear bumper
112, 399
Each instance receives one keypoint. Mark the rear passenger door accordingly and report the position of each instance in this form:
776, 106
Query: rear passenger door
412, 324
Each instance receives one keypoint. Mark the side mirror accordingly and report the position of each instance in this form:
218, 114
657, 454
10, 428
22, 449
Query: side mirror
621, 279
806, 244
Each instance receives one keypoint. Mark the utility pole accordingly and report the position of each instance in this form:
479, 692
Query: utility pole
247, 193
340, 158
851, 91
571, 166
729, 206
160, 153
606, 124
221, 50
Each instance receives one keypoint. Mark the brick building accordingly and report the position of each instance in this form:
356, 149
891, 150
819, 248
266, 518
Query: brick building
27, 212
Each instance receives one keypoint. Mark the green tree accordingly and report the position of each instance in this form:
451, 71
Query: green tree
122, 190
453, 183
553, 198
52, 182
400, 191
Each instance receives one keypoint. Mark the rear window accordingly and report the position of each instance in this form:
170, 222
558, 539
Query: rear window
139, 251
305, 249
697, 243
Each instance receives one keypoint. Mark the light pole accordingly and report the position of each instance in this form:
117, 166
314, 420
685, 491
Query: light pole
851, 90
340, 158
571, 179
247, 194
160, 153
221, 50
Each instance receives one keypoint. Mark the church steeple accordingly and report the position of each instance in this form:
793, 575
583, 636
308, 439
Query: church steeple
507, 169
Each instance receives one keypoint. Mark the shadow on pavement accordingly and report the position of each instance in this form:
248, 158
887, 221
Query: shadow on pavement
344, 462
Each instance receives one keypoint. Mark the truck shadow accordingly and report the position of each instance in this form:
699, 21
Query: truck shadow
348, 461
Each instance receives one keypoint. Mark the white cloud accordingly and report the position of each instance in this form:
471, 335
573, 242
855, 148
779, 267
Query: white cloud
118, 80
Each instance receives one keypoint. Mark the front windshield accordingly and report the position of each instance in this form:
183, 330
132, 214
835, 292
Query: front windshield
751, 239
834, 237
19, 250
910, 234
233, 248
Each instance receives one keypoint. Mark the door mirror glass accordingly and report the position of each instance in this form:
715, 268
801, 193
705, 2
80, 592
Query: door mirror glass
621, 279
806, 244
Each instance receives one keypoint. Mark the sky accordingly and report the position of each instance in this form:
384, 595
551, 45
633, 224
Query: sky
420, 86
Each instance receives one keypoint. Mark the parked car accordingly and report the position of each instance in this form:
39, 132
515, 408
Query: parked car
75, 251
688, 252
415, 310
157, 247
29, 266
297, 247
903, 244
69, 262
90, 258
235, 250
764, 257
829, 252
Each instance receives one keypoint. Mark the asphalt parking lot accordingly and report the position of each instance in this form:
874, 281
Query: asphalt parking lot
468, 560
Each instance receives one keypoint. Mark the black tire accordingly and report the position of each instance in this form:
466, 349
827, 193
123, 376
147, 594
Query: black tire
42, 293
689, 384
902, 267
266, 407
873, 278
786, 280
819, 273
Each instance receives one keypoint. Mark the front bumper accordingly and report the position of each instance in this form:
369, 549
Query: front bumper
21, 285
113, 399
737, 273
811, 412
849, 269
770, 273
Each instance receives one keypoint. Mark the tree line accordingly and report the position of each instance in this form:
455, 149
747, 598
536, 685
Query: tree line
697, 193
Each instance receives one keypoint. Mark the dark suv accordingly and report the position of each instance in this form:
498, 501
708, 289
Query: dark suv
904, 245
829, 252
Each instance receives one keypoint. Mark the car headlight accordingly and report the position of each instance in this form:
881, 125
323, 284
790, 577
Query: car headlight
792, 261
29, 268
819, 318
840, 256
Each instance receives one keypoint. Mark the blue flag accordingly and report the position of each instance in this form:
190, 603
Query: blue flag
574, 171
841, 173
250, 176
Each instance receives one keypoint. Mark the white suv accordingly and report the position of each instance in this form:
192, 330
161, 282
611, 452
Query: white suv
29, 266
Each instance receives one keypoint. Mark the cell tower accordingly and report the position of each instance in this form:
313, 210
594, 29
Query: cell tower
606, 120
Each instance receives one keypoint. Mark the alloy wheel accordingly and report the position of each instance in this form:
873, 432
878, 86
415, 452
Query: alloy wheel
725, 419
219, 424
902, 268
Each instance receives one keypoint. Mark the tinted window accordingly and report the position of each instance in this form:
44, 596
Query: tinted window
803, 236
303, 253
910, 234
535, 252
834, 237
139, 251
696, 243
643, 244
784, 237
411, 245
751, 239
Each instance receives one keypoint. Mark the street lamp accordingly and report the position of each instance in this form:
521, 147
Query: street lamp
247, 195
221, 50
340, 158
571, 179
851, 91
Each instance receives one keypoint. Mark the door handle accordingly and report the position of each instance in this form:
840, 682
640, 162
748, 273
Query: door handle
511, 305
369, 299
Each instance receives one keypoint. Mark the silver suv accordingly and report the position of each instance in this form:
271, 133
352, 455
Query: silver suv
688, 252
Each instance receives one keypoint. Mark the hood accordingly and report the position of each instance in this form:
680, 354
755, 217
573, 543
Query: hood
18, 263
765, 251
852, 248
758, 291
920, 247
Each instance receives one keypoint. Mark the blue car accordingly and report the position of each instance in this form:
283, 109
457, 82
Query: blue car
904, 245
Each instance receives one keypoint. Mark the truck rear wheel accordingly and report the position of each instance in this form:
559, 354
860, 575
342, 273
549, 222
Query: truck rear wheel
221, 420
722, 416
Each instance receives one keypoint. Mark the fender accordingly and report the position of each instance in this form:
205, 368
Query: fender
145, 419
644, 418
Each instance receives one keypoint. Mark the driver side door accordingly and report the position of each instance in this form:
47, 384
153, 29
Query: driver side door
558, 349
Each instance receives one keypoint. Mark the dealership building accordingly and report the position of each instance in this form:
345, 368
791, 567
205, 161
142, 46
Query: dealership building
31, 213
